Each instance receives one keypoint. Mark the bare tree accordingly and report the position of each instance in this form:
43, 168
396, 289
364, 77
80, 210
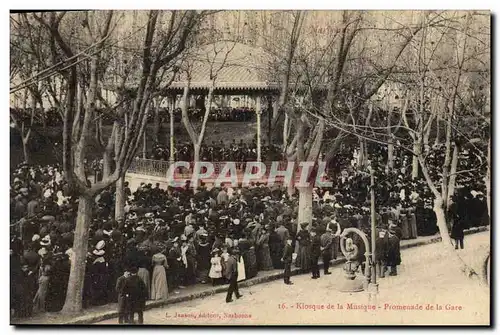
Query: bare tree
340, 77
162, 45
214, 57
26, 58
422, 100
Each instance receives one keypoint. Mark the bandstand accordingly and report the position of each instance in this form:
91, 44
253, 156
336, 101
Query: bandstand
239, 76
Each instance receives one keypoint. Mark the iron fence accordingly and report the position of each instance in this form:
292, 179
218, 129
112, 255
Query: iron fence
159, 168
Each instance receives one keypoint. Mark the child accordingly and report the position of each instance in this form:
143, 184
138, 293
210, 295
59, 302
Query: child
224, 258
122, 300
225, 254
216, 267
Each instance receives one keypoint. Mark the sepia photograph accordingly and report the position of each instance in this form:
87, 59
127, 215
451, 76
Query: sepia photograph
250, 167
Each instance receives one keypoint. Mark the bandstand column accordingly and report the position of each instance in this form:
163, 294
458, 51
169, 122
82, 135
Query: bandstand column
171, 108
258, 113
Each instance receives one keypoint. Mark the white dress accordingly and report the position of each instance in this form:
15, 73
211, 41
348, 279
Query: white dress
241, 270
215, 268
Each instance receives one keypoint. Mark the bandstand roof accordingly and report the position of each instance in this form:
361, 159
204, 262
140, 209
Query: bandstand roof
240, 68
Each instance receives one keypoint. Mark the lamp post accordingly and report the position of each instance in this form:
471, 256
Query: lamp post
350, 251
373, 284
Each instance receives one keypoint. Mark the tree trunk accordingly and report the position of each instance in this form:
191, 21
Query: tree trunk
414, 164
291, 185
120, 199
68, 118
196, 153
156, 122
442, 224
450, 254
26, 150
390, 153
441, 221
427, 132
390, 145
361, 154
73, 303
144, 146
453, 176
305, 206
437, 140
285, 132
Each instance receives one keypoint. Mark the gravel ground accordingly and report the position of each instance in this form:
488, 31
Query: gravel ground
427, 279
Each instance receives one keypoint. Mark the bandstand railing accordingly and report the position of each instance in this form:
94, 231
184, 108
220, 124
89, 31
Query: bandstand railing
149, 167
159, 168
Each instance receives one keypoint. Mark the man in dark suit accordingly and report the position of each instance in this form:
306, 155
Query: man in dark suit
122, 300
287, 260
315, 253
393, 250
327, 249
231, 273
282, 231
136, 294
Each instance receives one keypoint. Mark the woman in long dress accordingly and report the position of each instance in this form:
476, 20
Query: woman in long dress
188, 256
41, 294
203, 259
247, 251
304, 253
159, 287
174, 266
413, 223
143, 271
276, 249
99, 279
266, 263
405, 226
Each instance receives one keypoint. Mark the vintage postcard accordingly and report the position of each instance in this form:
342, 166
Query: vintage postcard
216, 167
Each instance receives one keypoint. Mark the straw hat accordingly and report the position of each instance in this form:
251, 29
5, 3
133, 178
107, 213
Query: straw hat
45, 241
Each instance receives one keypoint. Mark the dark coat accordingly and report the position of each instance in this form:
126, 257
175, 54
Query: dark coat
99, 280
58, 284
122, 300
231, 268
29, 285
393, 252
457, 230
315, 246
327, 244
381, 247
172, 258
275, 248
287, 254
136, 293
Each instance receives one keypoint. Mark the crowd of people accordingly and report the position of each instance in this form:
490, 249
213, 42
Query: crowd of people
177, 237
240, 114
50, 117
219, 152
